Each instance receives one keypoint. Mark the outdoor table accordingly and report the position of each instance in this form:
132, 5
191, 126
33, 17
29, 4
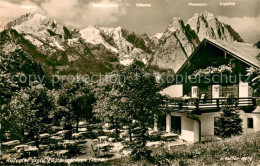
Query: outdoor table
76, 135
54, 128
102, 146
45, 135
82, 123
111, 139
62, 132
31, 150
56, 138
43, 146
11, 143
61, 153
68, 142
6, 156
80, 134
22, 146
82, 129
102, 138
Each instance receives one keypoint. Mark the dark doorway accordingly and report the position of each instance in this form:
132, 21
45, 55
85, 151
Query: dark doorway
162, 122
176, 124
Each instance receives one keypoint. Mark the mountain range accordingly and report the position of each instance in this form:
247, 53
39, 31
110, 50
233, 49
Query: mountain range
91, 50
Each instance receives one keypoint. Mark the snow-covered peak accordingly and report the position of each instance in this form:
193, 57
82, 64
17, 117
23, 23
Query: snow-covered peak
115, 39
157, 35
30, 18
40, 30
93, 35
37, 24
115, 33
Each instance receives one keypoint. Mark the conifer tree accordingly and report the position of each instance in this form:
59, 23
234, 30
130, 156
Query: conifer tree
229, 123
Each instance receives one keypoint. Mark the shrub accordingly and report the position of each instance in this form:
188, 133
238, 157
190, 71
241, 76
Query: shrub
141, 154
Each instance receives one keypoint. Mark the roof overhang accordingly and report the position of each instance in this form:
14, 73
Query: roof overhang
203, 43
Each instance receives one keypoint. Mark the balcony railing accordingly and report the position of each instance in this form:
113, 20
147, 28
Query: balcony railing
210, 105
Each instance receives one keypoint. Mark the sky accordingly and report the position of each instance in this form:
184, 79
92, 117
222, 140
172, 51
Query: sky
244, 16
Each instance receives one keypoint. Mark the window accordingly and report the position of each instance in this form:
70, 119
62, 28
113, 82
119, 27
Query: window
194, 91
250, 123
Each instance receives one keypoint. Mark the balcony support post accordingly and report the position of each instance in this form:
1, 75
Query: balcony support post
197, 104
168, 123
254, 101
218, 104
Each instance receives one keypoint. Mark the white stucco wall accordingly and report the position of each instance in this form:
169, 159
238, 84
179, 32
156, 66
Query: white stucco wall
196, 131
190, 128
187, 128
207, 123
256, 122
245, 90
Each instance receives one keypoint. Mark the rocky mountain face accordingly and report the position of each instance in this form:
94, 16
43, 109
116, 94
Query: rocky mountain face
156, 38
175, 45
82, 51
179, 40
16, 61
93, 50
127, 45
53, 46
206, 25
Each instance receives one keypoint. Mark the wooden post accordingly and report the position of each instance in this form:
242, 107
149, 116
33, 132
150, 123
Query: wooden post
236, 102
217, 103
197, 104
254, 101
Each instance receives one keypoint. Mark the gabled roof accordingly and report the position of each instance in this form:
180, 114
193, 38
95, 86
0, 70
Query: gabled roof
245, 52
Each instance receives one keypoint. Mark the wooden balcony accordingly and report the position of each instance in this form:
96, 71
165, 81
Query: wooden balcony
198, 106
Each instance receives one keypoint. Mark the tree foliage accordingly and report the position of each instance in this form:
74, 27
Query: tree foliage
76, 101
142, 101
30, 111
108, 108
131, 100
229, 123
255, 79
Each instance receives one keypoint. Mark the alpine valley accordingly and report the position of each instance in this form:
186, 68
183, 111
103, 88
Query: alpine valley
36, 40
